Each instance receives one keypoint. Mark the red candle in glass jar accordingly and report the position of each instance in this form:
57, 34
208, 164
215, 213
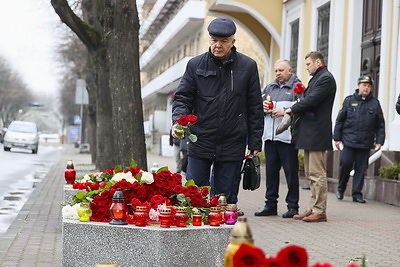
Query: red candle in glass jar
118, 210
181, 217
140, 215
214, 217
70, 173
197, 219
165, 218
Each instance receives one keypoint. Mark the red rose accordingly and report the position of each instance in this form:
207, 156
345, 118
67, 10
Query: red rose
294, 256
353, 265
248, 256
272, 262
204, 191
299, 88
192, 189
214, 201
271, 105
183, 120
322, 265
192, 119
178, 189
157, 199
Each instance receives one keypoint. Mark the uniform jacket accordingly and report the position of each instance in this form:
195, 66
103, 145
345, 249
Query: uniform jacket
282, 98
226, 98
360, 122
314, 128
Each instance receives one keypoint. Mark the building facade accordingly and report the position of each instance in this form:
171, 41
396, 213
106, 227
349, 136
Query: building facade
357, 37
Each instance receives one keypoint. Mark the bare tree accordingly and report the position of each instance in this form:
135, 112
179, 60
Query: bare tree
109, 31
14, 95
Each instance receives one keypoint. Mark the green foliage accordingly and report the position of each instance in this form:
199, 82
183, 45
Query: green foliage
301, 161
390, 171
261, 155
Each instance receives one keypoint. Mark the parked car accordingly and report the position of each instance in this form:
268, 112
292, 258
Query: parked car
22, 134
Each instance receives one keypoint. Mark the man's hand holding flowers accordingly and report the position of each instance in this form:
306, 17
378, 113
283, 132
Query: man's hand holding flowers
182, 127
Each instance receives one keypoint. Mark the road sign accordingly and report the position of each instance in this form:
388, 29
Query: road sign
81, 94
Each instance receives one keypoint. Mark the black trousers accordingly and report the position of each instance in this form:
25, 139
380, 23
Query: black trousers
225, 176
349, 157
277, 155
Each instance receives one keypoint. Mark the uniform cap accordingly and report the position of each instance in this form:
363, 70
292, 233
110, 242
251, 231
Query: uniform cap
222, 27
365, 79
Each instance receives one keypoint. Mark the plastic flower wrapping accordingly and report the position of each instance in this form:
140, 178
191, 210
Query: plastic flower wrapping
140, 188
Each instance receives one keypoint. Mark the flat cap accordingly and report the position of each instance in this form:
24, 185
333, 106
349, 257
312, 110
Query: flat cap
365, 79
221, 27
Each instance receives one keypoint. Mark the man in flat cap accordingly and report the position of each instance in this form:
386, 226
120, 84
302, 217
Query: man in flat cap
360, 126
222, 88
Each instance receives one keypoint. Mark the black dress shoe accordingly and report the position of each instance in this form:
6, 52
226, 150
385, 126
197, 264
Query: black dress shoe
290, 213
358, 200
339, 195
266, 211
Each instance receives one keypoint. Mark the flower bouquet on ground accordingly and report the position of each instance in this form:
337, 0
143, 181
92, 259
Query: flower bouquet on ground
140, 188
183, 126
290, 256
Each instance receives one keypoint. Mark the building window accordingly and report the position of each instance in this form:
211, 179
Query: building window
294, 44
371, 41
323, 30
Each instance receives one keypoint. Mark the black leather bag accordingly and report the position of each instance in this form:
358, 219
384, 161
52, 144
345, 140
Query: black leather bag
251, 173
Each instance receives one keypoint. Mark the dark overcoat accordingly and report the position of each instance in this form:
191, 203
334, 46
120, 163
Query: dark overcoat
226, 98
314, 128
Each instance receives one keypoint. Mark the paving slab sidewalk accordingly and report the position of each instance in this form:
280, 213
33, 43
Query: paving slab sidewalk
352, 230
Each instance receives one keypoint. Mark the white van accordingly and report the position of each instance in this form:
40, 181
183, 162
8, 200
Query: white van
22, 134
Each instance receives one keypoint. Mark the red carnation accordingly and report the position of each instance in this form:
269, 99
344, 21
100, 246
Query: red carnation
294, 256
248, 256
183, 120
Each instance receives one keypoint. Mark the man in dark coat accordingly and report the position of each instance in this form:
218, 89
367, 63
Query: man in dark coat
314, 133
359, 125
222, 88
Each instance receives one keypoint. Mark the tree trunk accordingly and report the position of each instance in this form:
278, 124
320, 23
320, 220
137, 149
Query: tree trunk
111, 37
123, 52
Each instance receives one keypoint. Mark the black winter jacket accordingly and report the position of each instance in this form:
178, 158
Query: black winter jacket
360, 123
226, 98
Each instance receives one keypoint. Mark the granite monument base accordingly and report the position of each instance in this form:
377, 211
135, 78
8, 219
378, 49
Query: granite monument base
90, 243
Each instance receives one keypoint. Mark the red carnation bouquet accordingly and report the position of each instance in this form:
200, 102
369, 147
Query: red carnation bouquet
183, 126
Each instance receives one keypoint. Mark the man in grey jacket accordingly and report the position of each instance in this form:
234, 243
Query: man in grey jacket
279, 149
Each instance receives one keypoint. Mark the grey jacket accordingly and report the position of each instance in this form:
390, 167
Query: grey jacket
282, 97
